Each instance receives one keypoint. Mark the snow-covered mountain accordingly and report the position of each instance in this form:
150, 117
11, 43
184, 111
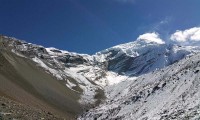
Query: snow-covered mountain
169, 93
141, 56
144, 79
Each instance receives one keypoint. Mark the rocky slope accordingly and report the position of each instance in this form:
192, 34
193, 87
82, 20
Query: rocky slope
24, 82
13, 110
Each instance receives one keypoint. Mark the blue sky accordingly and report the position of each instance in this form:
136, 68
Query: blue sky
88, 26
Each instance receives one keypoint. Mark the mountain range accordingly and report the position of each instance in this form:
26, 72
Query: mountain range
146, 79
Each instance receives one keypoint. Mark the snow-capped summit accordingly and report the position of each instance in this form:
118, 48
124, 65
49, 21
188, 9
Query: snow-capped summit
145, 41
144, 55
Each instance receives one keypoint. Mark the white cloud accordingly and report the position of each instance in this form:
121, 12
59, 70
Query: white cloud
151, 37
187, 36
